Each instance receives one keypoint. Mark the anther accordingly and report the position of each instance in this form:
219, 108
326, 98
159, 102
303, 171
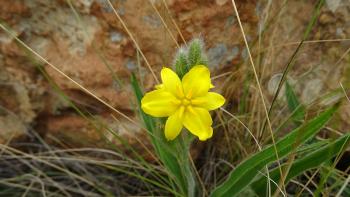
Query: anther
185, 102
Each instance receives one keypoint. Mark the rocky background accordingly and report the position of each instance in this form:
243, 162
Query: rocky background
87, 41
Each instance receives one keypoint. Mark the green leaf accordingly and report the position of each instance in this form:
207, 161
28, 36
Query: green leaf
242, 176
294, 105
312, 160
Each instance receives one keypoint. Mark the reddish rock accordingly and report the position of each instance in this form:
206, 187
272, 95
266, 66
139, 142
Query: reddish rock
96, 48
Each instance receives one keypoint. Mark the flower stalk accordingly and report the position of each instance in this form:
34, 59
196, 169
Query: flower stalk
185, 100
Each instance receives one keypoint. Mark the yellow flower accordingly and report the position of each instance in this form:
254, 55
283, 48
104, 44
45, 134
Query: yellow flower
187, 103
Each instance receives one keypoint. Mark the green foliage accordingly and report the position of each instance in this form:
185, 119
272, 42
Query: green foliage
294, 105
311, 160
243, 175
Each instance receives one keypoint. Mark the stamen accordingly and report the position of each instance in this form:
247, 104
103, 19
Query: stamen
190, 109
185, 102
189, 94
180, 92
181, 112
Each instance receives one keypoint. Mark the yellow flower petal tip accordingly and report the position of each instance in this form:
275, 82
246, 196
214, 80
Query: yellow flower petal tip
185, 102
159, 86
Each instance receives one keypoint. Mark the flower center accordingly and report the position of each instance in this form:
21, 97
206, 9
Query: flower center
185, 102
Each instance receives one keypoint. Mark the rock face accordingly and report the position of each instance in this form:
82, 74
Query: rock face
86, 41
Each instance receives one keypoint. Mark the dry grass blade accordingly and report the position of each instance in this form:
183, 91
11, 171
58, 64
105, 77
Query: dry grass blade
133, 40
93, 44
346, 182
250, 133
306, 42
290, 61
143, 145
303, 186
346, 95
66, 76
259, 88
274, 183
222, 75
16, 154
164, 23
174, 23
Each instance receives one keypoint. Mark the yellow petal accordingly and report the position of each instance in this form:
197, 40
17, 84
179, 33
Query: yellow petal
198, 121
210, 101
197, 81
171, 81
173, 125
159, 103
159, 86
